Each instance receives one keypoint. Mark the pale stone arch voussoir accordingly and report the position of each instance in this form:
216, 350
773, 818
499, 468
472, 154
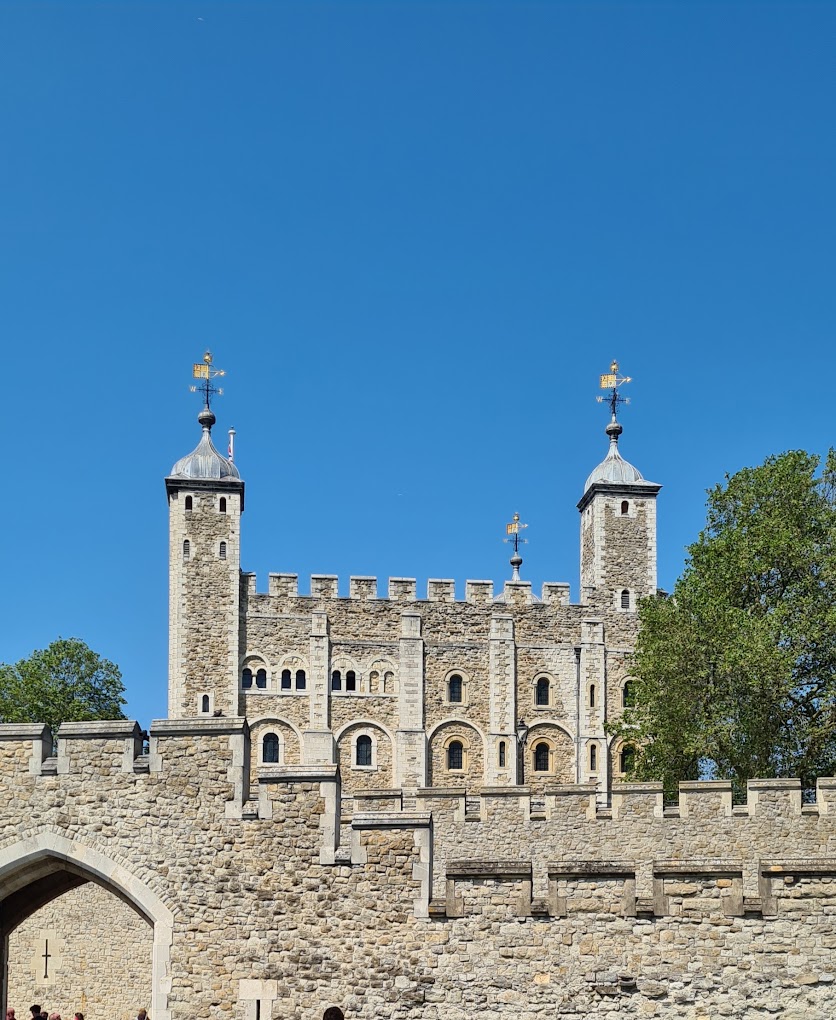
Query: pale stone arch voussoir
35, 856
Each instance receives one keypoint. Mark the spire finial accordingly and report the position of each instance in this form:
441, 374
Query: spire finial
513, 530
204, 370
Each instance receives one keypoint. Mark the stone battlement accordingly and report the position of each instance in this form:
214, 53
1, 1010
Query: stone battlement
405, 589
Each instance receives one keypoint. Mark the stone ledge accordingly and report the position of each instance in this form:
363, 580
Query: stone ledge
489, 869
391, 820
101, 728
24, 731
298, 774
581, 868
199, 726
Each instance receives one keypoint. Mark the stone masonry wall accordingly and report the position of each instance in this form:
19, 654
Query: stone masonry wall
99, 957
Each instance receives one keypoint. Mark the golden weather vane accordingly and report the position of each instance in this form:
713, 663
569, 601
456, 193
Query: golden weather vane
204, 370
611, 381
513, 530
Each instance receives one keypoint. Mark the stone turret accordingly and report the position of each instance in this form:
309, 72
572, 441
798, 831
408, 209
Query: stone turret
618, 532
205, 501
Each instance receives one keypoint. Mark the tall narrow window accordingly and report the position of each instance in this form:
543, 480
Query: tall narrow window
363, 754
625, 508
301, 680
270, 749
627, 694
285, 679
541, 758
455, 756
593, 758
455, 689
502, 754
592, 695
388, 685
187, 549
261, 679
627, 759
542, 694
374, 682
625, 599
246, 678
204, 703
222, 504
351, 680
222, 551
336, 681
189, 502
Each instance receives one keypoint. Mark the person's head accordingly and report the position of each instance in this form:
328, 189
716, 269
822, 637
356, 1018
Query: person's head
10, 1014
35, 1011
78, 1016
54, 1016
142, 1014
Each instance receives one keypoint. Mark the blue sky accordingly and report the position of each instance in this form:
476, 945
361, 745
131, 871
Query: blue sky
413, 233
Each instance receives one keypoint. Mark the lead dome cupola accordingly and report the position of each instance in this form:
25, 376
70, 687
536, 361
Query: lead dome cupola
614, 469
205, 462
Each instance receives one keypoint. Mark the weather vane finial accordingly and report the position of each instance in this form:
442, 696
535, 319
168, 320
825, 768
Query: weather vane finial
204, 370
611, 381
513, 531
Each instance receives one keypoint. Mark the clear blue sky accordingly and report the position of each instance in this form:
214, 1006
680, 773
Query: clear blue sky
413, 233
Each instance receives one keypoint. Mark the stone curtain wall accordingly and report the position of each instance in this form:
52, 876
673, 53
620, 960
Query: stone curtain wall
468, 902
99, 962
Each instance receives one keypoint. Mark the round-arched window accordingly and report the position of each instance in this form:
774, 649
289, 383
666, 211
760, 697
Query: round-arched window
455, 689
541, 757
455, 756
270, 749
363, 754
542, 694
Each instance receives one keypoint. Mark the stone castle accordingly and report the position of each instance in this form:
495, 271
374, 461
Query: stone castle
401, 807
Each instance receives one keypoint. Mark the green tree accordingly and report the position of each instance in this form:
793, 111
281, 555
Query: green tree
736, 671
66, 682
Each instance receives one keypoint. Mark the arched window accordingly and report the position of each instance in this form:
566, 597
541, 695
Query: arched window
625, 599
261, 678
502, 754
541, 758
222, 504
336, 680
625, 508
204, 703
542, 694
627, 759
351, 680
301, 680
627, 694
270, 749
455, 756
187, 549
333, 1013
374, 682
222, 551
388, 681
285, 679
592, 695
593, 758
363, 754
189, 502
455, 689
246, 678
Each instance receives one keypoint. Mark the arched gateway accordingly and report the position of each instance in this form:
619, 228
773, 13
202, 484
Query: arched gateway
35, 870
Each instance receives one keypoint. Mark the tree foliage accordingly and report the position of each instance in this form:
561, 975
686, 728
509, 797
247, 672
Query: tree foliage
736, 672
66, 682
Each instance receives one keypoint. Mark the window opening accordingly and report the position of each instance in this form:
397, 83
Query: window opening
388, 681
285, 679
593, 758
364, 750
336, 680
246, 678
592, 695
502, 754
301, 680
541, 758
270, 749
542, 695
222, 504
333, 1013
189, 502
455, 756
625, 599
204, 703
351, 680
455, 689
627, 694
261, 678
625, 508
223, 550
187, 549
627, 759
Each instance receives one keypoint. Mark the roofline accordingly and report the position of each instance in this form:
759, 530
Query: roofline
619, 489
174, 484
